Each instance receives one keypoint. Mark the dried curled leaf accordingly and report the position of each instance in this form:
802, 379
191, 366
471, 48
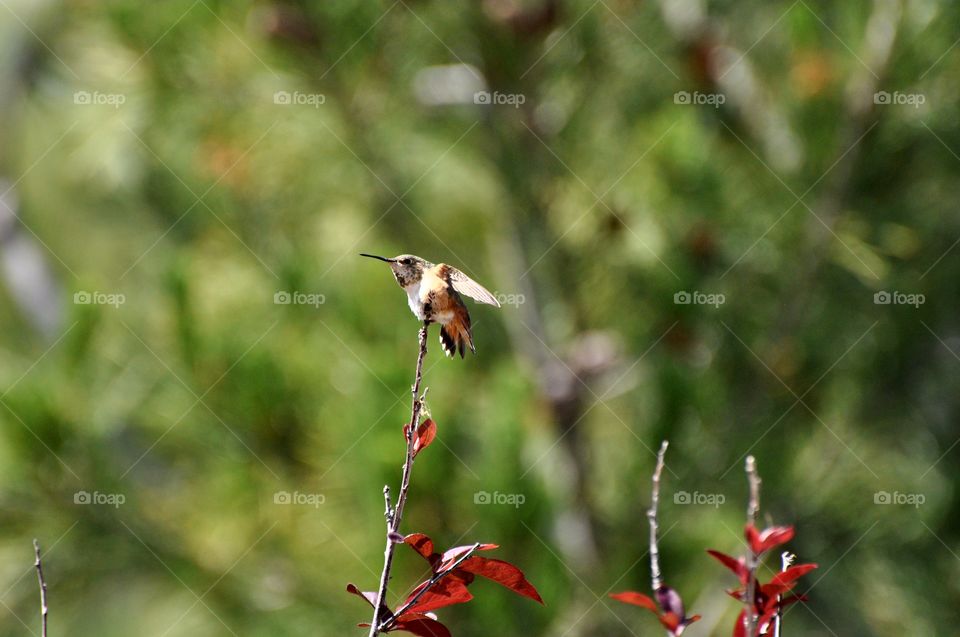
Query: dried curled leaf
668, 601
425, 434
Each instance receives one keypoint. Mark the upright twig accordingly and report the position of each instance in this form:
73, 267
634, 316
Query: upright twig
43, 588
656, 579
753, 478
394, 514
786, 560
753, 508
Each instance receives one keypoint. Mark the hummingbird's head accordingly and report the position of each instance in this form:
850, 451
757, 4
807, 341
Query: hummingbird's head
407, 268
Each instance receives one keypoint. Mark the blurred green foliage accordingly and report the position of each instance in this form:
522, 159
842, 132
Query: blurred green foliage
201, 195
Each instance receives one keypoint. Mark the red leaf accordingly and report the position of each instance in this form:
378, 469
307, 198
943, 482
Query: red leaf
770, 591
791, 574
762, 541
675, 624
420, 543
771, 602
739, 630
734, 564
450, 590
370, 598
793, 599
637, 599
503, 573
450, 555
424, 435
670, 621
423, 626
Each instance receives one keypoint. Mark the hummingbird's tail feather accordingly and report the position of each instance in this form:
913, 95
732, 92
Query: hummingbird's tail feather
456, 335
446, 341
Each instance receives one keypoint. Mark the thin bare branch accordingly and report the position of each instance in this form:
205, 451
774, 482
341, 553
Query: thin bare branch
753, 478
387, 507
381, 614
44, 609
656, 579
753, 509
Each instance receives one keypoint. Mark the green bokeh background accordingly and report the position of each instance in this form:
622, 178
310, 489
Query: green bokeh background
198, 399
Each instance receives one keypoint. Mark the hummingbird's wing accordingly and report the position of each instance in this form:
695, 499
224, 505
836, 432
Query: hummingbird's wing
465, 285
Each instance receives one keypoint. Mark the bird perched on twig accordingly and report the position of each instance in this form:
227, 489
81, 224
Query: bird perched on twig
433, 293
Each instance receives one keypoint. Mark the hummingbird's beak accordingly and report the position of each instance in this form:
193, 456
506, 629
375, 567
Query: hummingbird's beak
373, 256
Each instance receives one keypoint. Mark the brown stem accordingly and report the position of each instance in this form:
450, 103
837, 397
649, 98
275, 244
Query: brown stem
43, 588
753, 508
381, 614
430, 584
656, 580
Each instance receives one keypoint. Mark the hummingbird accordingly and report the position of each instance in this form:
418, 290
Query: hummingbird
433, 294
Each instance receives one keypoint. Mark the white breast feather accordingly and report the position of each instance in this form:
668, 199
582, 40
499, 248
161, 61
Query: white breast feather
413, 300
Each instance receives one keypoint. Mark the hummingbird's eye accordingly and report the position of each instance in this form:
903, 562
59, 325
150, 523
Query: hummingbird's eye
407, 261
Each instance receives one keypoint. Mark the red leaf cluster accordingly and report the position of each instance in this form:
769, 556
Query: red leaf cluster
767, 598
503, 573
670, 611
447, 584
